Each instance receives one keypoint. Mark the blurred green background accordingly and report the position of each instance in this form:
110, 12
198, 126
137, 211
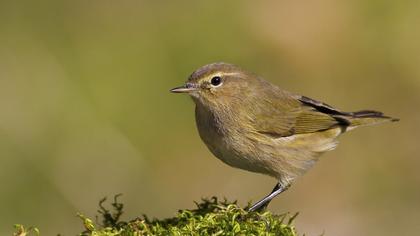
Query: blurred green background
85, 110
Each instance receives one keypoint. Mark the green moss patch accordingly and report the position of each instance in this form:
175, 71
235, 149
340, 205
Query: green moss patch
211, 217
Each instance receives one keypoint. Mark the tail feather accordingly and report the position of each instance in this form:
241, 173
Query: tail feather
367, 117
348, 120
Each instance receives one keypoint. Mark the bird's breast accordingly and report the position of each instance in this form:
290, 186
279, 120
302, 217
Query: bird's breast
228, 141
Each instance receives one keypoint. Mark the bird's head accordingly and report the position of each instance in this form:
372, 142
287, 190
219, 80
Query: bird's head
218, 84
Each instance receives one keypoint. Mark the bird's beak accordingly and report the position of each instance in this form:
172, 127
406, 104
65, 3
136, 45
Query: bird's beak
184, 89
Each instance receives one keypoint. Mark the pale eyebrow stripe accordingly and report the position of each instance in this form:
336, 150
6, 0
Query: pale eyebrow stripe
223, 74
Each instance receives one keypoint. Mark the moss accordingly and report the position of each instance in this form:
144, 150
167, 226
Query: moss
22, 231
211, 217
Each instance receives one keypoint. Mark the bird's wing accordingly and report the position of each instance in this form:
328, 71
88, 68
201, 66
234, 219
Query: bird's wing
286, 116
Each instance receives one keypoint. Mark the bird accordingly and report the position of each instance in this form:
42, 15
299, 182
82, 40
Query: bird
254, 125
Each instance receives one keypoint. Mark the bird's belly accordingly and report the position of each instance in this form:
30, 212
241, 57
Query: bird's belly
236, 158
239, 152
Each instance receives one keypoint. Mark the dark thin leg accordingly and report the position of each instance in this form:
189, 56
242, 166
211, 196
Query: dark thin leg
263, 203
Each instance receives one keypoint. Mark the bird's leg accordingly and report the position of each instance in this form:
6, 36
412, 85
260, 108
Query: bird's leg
263, 203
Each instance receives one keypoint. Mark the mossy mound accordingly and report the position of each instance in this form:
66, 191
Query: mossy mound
211, 217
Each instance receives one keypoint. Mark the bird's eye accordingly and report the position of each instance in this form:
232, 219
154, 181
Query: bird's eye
216, 81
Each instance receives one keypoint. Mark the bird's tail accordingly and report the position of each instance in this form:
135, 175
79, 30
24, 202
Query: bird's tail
367, 117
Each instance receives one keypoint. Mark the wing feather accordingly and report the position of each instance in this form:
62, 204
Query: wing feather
287, 115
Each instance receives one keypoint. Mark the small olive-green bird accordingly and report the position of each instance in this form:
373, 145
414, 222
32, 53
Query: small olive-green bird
251, 124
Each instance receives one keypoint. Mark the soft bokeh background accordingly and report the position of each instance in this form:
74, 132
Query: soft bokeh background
85, 110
